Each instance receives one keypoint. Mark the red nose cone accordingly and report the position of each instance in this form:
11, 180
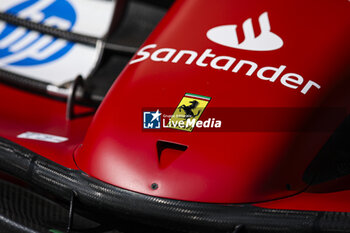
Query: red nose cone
263, 97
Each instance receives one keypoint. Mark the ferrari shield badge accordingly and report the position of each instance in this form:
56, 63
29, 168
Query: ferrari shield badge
188, 112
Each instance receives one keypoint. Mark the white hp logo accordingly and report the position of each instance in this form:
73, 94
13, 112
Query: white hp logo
227, 35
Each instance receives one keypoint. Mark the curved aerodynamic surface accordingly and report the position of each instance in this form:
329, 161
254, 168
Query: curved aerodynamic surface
231, 115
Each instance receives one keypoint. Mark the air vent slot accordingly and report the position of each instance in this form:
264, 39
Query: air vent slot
168, 152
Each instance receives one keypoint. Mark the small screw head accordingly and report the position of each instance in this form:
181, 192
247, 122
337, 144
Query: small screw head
154, 186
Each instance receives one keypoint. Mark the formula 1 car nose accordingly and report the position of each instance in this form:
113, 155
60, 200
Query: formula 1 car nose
265, 101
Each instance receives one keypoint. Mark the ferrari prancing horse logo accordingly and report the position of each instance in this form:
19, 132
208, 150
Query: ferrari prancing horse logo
188, 112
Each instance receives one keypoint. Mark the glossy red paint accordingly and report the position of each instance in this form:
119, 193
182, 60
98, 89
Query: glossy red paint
222, 167
23, 111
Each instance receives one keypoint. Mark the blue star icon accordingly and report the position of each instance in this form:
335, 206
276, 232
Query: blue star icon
151, 120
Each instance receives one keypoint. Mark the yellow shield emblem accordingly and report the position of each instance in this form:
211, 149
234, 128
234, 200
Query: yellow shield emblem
188, 112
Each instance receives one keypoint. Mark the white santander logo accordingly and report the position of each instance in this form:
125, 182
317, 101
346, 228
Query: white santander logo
226, 35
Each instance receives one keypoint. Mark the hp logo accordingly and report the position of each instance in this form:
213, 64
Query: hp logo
22, 47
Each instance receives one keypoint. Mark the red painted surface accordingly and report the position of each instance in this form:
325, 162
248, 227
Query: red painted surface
334, 201
224, 167
22, 111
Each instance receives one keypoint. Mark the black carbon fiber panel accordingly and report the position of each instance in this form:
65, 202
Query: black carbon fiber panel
106, 199
24, 211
